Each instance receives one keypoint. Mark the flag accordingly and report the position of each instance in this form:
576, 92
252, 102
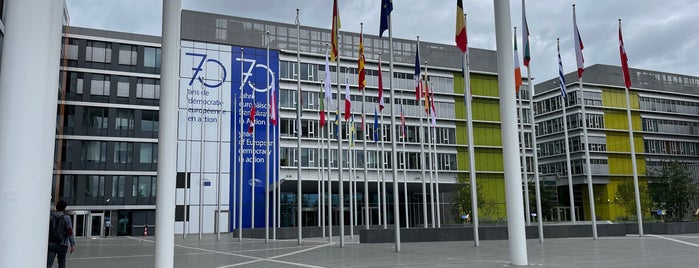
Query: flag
427, 97
381, 103
402, 122
273, 105
335, 31
518, 72
578, 47
386, 8
360, 64
624, 60
321, 112
251, 120
433, 111
351, 133
461, 38
376, 126
348, 101
416, 75
328, 93
337, 125
561, 78
525, 37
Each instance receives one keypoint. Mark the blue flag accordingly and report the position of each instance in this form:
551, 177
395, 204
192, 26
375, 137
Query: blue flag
376, 126
337, 125
386, 8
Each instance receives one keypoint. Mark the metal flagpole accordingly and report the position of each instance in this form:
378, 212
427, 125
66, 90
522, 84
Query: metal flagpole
298, 130
530, 86
275, 178
328, 96
436, 163
240, 150
394, 153
513, 184
405, 165
567, 147
523, 150
341, 192
383, 174
321, 170
269, 99
590, 190
364, 154
468, 95
379, 161
202, 155
187, 170
232, 173
350, 158
429, 153
423, 161
218, 162
627, 85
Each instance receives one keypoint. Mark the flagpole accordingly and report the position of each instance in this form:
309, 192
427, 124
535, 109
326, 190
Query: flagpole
187, 170
471, 147
275, 173
240, 149
405, 166
586, 148
328, 96
254, 179
232, 174
429, 152
436, 163
383, 173
299, 105
366, 177
530, 86
379, 160
267, 143
202, 154
523, 150
423, 162
321, 170
627, 84
394, 153
341, 193
349, 158
218, 162
567, 148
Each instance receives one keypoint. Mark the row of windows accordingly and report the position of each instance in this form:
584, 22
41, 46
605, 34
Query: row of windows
103, 121
670, 126
598, 166
311, 157
102, 52
574, 121
316, 72
667, 105
118, 190
100, 153
671, 147
122, 87
310, 129
557, 147
555, 103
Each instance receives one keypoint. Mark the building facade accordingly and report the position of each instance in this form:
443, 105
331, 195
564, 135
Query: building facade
107, 147
665, 119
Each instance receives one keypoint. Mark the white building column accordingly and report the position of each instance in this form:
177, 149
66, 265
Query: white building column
167, 136
29, 89
510, 144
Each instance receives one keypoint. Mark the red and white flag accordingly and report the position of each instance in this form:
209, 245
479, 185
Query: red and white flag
624, 60
348, 101
273, 104
381, 103
578, 47
251, 120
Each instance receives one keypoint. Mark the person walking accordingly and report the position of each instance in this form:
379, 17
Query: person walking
60, 235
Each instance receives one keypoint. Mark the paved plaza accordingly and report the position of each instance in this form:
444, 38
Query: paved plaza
629, 251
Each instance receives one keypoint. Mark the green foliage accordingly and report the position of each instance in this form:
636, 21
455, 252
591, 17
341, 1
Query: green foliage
548, 199
672, 189
626, 197
463, 199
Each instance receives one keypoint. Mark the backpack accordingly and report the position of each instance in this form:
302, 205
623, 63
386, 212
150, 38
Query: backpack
57, 228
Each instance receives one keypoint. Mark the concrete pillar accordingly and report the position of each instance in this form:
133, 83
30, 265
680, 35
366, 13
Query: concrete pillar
167, 137
28, 102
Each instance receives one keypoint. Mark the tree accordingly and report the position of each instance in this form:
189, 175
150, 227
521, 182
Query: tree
463, 199
626, 197
672, 189
548, 199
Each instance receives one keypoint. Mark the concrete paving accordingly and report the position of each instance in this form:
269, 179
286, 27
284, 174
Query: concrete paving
628, 251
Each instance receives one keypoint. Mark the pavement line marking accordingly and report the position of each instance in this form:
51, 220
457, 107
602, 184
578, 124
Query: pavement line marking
675, 240
130, 256
273, 259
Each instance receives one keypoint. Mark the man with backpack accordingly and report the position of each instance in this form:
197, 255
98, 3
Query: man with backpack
60, 235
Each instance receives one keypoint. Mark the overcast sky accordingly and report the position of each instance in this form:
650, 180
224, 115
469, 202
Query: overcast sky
658, 35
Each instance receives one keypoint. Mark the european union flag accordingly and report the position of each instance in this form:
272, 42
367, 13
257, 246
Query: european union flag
386, 8
376, 126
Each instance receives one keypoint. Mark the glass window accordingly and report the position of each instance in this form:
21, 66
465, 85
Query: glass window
127, 54
124, 119
148, 153
94, 186
99, 85
151, 57
98, 52
143, 186
123, 87
149, 120
95, 118
118, 183
147, 88
123, 152
94, 151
